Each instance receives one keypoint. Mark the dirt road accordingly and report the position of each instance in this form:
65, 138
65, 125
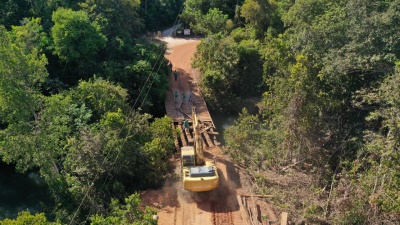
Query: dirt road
177, 206
180, 207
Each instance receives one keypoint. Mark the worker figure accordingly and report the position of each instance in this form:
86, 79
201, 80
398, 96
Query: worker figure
176, 75
183, 96
176, 95
185, 125
190, 95
169, 67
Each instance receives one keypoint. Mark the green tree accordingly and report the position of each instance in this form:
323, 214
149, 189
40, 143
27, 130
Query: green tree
377, 173
159, 149
22, 71
100, 96
128, 213
316, 67
75, 37
25, 218
195, 12
128, 60
144, 75
203, 6
31, 33
231, 69
244, 141
257, 14
211, 23
44, 9
120, 23
77, 42
159, 14
12, 11
90, 146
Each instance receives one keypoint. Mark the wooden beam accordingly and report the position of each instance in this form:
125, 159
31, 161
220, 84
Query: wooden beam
213, 132
189, 136
284, 217
205, 129
183, 139
243, 213
208, 139
215, 141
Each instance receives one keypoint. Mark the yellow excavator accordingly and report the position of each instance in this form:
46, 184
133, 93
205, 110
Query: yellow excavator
198, 175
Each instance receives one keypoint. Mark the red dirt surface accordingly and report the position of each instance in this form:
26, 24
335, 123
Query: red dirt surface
177, 206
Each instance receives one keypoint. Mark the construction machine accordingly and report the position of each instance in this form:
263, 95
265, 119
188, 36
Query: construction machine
198, 175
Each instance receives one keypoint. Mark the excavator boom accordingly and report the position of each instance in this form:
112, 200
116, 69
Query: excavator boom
198, 175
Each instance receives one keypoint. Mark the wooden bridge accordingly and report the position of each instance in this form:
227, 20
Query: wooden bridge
183, 95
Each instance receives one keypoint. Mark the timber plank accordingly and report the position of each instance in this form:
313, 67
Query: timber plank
284, 218
208, 140
183, 138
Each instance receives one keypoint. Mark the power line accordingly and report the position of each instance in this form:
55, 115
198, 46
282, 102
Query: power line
151, 84
177, 20
148, 78
129, 114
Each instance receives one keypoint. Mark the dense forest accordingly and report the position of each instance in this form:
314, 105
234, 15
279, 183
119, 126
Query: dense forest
324, 76
315, 84
81, 101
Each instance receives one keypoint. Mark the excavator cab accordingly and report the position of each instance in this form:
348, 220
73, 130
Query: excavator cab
188, 161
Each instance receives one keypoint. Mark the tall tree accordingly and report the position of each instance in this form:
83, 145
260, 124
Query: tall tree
231, 69
120, 23
25, 217
196, 10
211, 23
314, 70
90, 146
257, 14
376, 171
160, 14
12, 11
75, 37
128, 213
22, 70
77, 42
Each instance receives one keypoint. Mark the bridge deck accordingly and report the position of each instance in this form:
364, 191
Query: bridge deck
182, 96
184, 93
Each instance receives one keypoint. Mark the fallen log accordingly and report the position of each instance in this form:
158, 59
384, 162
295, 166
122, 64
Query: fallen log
259, 196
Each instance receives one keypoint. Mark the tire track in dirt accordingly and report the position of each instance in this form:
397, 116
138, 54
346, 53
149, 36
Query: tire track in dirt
175, 215
220, 217
225, 202
187, 214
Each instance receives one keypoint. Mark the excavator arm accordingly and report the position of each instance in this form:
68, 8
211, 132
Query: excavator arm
198, 141
198, 175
